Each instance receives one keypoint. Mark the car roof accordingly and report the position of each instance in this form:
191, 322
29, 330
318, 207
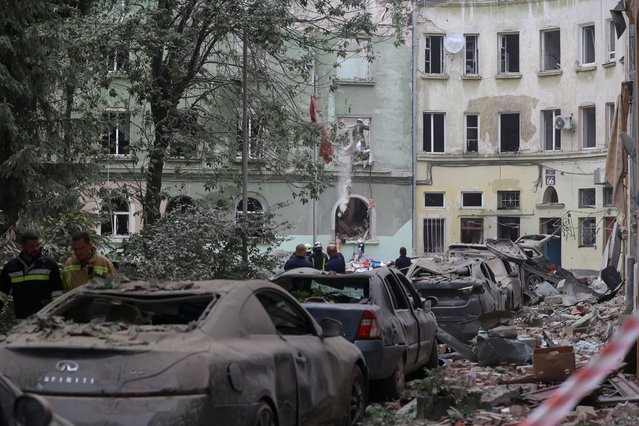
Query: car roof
141, 287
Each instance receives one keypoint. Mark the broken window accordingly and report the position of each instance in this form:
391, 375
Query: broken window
115, 215
174, 309
180, 203
610, 116
434, 54
550, 50
472, 231
354, 137
118, 61
253, 208
587, 197
355, 65
354, 222
509, 132
587, 232
434, 132
472, 132
507, 200
434, 233
433, 199
611, 37
508, 228
256, 136
472, 54
509, 53
588, 127
587, 44
607, 196
115, 137
551, 136
550, 196
472, 199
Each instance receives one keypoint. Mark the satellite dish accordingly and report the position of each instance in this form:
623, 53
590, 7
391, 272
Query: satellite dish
454, 42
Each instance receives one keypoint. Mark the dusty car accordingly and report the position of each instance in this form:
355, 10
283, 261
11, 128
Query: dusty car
539, 268
463, 289
381, 313
186, 353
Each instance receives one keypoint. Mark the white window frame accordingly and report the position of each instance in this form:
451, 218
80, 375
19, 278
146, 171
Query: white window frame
544, 48
431, 117
471, 54
467, 127
357, 58
586, 143
442, 54
583, 193
504, 52
610, 115
461, 200
113, 215
122, 133
443, 204
548, 117
611, 40
591, 222
587, 36
253, 152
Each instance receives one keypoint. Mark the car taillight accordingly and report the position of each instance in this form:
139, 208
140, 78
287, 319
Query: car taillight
368, 327
552, 268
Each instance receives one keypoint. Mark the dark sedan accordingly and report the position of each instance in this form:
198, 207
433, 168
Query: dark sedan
190, 353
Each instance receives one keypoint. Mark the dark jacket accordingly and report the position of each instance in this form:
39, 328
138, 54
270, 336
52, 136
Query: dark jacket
297, 262
31, 285
336, 263
402, 263
319, 260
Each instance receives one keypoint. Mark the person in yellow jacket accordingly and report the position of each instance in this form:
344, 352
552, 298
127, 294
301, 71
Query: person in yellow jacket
85, 264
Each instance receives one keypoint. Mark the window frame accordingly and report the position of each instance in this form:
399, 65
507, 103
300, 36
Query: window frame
432, 127
115, 127
434, 226
587, 198
115, 214
439, 206
476, 128
501, 131
504, 53
556, 133
464, 227
428, 69
585, 49
606, 196
357, 54
588, 127
543, 66
464, 206
471, 54
609, 109
591, 231
501, 195
260, 137
503, 221
611, 40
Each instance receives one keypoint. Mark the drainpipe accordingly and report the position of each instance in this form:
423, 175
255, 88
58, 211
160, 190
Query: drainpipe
414, 125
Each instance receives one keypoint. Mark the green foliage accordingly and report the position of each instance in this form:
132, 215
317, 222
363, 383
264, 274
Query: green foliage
378, 415
435, 385
202, 243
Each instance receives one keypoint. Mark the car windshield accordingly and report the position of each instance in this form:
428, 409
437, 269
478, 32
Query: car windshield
177, 309
342, 291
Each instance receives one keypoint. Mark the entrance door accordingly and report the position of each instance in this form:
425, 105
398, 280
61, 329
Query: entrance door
552, 249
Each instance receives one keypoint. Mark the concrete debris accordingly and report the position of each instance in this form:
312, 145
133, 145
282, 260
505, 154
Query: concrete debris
544, 289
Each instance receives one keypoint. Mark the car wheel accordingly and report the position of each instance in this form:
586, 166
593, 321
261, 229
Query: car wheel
265, 416
357, 401
395, 384
433, 361
532, 281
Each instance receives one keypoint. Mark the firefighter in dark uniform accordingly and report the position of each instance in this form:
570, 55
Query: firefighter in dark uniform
31, 278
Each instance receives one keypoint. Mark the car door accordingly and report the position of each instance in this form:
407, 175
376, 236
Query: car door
425, 318
404, 322
315, 367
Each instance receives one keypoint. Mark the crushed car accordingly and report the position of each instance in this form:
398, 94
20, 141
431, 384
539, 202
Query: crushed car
186, 353
381, 314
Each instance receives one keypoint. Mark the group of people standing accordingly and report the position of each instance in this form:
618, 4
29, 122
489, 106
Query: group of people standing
34, 279
332, 261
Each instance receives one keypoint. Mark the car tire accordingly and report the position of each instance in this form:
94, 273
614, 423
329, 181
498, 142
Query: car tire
532, 281
433, 361
265, 416
357, 398
396, 383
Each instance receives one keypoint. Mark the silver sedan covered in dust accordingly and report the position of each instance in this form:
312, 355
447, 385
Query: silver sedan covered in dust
190, 353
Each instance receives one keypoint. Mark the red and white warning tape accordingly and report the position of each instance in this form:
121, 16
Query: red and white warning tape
586, 379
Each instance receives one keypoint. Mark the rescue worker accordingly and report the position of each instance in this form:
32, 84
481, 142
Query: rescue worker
336, 262
298, 260
319, 259
402, 262
86, 263
32, 278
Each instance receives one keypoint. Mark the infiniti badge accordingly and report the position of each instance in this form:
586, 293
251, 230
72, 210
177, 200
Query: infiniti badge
69, 366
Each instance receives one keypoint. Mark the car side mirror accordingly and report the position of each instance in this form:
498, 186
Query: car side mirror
32, 410
331, 328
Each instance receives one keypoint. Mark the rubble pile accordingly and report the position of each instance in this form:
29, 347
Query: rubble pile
556, 332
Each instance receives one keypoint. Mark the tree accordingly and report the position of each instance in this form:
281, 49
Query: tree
50, 82
185, 68
199, 243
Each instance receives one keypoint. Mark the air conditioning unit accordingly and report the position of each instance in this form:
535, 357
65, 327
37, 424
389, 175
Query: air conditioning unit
563, 122
600, 176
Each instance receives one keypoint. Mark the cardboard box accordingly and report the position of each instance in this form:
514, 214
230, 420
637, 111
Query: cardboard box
553, 364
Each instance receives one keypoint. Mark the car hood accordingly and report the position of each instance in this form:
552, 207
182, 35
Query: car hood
68, 362
506, 249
